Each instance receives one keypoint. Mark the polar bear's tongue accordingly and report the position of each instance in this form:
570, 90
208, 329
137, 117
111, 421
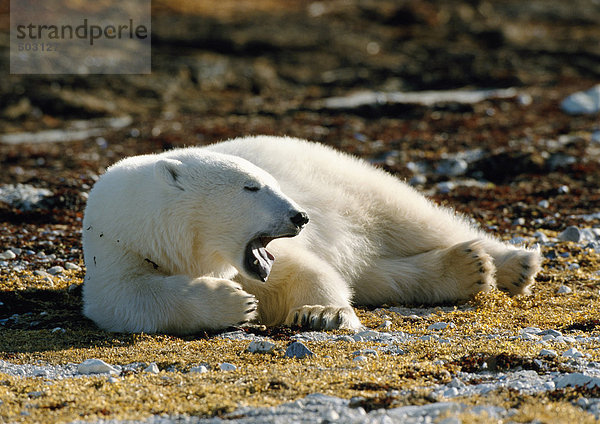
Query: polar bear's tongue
262, 260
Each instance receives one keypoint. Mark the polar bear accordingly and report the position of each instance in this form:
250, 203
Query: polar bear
177, 242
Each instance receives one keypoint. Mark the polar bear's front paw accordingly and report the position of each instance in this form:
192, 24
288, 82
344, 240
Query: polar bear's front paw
236, 307
471, 267
516, 271
319, 317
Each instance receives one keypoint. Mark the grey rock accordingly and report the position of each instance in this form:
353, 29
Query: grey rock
226, 366
152, 368
298, 350
571, 233
582, 102
55, 270
9, 254
96, 366
200, 369
564, 290
260, 346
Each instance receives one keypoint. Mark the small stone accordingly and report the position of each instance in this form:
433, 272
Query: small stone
331, 416
582, 102
152, 368
519, 221
518, 240
564, 290
96, 366
572, 353
548, 353
541, 237
452, 167
72, 267
576, 379
262, 346
55, 270
441, 326
551, 332
531, 330
297, 350
58, 329
571, 233
445, 187
451, 392
366, 352
8, 254
360, 358
40, 372
544, 204
386, 324
200, 369
417, 180
564, 189
36, 394
226, 366
368, 335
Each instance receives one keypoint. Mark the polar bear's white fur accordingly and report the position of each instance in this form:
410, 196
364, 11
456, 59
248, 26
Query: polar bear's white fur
175, 242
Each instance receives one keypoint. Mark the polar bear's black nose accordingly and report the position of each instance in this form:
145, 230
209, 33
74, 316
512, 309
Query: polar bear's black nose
300, 219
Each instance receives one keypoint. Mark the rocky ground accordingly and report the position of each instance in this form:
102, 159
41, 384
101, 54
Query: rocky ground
504, 149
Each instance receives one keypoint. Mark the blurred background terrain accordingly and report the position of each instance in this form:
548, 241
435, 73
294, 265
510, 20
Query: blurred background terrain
237, 67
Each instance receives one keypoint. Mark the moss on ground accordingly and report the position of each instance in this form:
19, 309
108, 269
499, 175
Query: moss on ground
271, 379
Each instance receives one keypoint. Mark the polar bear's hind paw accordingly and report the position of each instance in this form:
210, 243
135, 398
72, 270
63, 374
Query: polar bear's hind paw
517, 270
472, 267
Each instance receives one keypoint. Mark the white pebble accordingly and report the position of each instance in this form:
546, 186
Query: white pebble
262, 346
152, 368
544, 204
441, 325
55, 270
226, 366
96, 366
564, 290
9, 254
72, 267
200, 369
360, 358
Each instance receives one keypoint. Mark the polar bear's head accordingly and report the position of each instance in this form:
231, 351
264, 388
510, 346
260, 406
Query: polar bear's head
231, 208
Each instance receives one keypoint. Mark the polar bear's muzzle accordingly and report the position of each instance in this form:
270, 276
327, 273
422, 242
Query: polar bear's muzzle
258, 261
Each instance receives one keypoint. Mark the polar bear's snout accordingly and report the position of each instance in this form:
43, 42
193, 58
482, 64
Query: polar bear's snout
300, 219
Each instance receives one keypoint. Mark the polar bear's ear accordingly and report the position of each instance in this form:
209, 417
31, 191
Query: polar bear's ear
169, 171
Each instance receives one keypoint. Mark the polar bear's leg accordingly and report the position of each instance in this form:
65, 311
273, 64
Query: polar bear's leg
435, 276
304, 290
159, 303
516, 267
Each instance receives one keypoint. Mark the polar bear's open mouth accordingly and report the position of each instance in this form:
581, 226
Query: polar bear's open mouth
257, 260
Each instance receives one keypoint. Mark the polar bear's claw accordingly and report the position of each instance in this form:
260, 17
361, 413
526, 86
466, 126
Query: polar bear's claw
516, 271
317, 317
471, 267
